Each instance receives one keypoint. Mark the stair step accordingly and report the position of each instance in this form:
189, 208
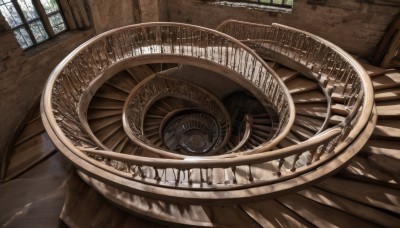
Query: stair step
387, 128
348, 206
309, 123
109, 92
106, 132
31, 130
386, 81
140, 72
286, 74
388, 109
339, 109
28, 154
336, 119
321, 215
372, 70
102, 113
123, 81
270, 213
386, 164
300, 85
122, 145
104, 103
113, 141
381, 197
387, 94
361, 169
383, 147
301, 132
99, 124
315, 110
313, 96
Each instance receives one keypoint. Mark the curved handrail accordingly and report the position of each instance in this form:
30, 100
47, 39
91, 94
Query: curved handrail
330, 140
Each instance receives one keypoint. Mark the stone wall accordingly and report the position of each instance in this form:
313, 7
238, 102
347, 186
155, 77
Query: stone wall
354, 26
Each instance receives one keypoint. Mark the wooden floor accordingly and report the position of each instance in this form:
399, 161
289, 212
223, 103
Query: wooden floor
366, 193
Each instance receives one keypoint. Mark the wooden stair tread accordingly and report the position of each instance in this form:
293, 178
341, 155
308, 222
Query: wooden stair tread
339, 109
300, 85
309, 123
377, 196
388, 109
104, 103
101, 113
29, 153
313, 96
350, 207
109, 92
209, 215
315, 110
384, 147
336, 119
98, 124
387, 94
386, 164
106, 132
286, 74
372, 70
301, 132
32, 129
140, 72
361, 169
270, 213
320, 215
387, 128
387, 80
123, 80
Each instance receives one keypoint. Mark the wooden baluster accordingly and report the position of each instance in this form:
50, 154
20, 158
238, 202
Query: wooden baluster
209, 176
281, 161
251, 178
296, 158
234, 180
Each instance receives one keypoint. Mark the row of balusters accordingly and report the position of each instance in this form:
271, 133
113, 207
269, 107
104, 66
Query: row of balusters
123, 44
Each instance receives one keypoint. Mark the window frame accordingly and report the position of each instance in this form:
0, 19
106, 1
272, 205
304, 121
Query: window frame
42, 17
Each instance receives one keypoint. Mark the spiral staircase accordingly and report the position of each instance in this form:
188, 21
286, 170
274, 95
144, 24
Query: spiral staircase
245, 125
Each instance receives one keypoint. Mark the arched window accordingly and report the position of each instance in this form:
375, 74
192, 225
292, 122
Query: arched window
33, 21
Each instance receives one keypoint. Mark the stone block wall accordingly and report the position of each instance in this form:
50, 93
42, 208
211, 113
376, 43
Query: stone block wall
356, 27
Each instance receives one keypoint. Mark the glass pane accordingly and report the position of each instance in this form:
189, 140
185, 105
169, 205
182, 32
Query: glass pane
28, 9
10, 14
49, 6
23, 37
38, 31
57, 23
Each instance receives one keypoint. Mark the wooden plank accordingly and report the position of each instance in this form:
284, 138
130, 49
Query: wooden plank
301, 132
372, 70
309, 123
98, 124
339, 109
381, 197
386, 81
314, 110
387, 128
107, 91
286, 74
348, 206
386, 164
313, 96
300, 85
99, 113
384, 147
140, 72
123, 80
270, 213
321, 215
30, 130
103, 103
360, 169
28, 154
387, 94
388, 109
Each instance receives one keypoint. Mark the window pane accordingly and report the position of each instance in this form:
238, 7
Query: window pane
28, 9
10, 14
49, 6
23, 37
57, 23
38, 31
